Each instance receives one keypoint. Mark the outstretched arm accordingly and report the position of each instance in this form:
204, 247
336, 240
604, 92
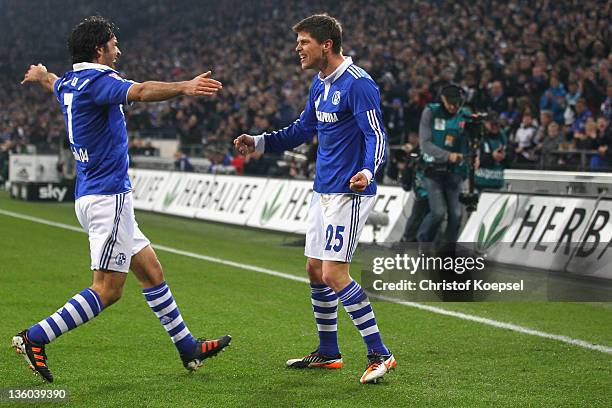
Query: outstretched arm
38, 73
297, 133
153, 91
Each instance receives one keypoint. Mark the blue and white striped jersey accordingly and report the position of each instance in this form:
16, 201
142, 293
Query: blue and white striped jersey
344, 111
92, 98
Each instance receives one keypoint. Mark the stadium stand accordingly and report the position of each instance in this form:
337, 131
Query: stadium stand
533, 62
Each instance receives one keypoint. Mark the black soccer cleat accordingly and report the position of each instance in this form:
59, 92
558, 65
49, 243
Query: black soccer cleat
205, 349
34, 354
316, 360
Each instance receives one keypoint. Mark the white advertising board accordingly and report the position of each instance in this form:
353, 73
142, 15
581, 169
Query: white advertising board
274, 204
148, 186
33, 168
593, 256
283, 206
392, 201
544, 232
209, 197
557, 233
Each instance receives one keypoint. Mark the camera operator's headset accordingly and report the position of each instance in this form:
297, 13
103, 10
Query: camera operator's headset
453, 93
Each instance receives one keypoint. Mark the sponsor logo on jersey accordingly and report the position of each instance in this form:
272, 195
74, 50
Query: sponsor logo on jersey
327, 117
81, 155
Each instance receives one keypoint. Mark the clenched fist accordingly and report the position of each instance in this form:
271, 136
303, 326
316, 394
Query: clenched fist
358, 182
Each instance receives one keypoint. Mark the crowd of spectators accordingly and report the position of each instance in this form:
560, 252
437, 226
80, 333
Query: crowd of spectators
543, 66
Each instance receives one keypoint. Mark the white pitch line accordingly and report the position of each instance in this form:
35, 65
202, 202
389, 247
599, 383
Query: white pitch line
502, 325
420, 306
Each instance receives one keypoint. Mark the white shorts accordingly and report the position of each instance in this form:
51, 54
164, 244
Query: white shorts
335, 222
114, 236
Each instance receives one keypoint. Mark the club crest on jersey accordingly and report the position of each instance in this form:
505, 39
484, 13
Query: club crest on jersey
336, 98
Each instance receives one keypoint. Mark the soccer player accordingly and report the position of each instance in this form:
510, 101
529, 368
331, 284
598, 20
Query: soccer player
343, 108
92, 97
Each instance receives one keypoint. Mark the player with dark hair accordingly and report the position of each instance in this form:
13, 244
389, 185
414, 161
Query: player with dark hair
343, 108
92, 97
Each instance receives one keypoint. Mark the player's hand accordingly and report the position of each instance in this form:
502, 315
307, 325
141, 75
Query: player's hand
358, 182
36, 73
202, 85
245, 144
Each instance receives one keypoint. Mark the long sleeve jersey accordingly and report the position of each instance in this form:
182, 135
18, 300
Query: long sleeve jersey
92, 98
343, 109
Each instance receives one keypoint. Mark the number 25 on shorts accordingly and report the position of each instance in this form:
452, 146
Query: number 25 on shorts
336, 239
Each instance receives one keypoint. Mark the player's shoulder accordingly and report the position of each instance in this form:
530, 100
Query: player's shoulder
357, 72
83, 75
357, 78
89, 69
96, 72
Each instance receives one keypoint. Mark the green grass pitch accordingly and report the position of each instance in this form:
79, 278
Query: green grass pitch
124, 358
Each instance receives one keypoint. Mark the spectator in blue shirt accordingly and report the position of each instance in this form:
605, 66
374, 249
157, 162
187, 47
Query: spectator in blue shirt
581, 116
182, 162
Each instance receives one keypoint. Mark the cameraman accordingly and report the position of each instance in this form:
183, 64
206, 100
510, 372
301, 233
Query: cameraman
443, 144
493, 156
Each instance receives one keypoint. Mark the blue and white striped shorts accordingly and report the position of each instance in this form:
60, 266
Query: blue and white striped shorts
114, 236
335, 222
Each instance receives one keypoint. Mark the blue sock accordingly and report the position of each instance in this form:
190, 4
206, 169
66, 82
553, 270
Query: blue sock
83, 307
162, 303
325, 307
357, 305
